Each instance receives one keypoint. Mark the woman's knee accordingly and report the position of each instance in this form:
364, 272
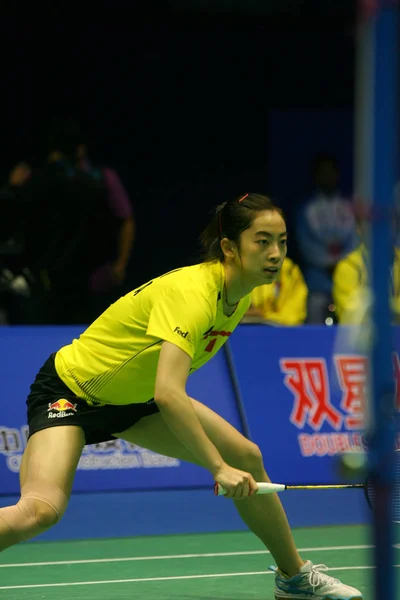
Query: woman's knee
45, 503
249, 458
39, 508
44, 515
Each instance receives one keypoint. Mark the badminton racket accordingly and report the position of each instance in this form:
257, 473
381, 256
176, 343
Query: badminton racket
368, 487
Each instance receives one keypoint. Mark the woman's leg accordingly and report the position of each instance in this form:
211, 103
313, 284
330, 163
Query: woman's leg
46, 476
264, 515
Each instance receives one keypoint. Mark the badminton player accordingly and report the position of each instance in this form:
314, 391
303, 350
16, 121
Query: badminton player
125, 377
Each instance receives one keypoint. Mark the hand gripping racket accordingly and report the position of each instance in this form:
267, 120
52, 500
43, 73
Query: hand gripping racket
368, 487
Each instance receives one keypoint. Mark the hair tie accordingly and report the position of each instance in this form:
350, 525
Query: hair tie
241, 199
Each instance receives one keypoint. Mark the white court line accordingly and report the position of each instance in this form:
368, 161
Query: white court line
175, 577
175, 556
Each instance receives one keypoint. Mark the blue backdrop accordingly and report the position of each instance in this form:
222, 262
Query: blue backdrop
302, 404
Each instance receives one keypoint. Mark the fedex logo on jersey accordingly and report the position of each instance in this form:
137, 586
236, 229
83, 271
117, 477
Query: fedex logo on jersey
183, 334
314, 406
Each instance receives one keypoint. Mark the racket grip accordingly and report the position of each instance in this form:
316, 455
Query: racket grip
263, 488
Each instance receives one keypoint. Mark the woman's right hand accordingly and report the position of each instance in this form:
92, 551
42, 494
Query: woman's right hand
238, 484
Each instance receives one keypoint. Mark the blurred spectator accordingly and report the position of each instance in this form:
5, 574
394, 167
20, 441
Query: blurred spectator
105, 281
283, 302
11, 242
325, 232
351, 290
63, 225
350, 286
72, 225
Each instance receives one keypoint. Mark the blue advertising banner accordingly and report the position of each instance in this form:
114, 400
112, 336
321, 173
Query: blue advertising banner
304, 404
114, 465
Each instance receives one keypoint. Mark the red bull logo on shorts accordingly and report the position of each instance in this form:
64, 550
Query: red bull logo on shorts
60, 409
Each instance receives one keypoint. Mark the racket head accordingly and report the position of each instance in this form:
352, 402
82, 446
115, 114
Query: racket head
370, 490
352, 344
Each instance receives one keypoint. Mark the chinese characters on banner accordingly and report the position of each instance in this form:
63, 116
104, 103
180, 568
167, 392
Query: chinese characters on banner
308, 381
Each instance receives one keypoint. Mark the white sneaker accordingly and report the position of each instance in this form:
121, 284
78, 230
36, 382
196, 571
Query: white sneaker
312, 584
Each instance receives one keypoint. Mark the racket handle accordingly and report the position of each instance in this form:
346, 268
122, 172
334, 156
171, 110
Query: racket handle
263, 488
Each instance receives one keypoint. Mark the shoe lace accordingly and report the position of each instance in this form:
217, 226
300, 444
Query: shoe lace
316, 578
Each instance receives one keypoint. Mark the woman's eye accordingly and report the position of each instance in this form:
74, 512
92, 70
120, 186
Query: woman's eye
265, 242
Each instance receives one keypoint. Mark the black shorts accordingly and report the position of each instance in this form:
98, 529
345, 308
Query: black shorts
51, 403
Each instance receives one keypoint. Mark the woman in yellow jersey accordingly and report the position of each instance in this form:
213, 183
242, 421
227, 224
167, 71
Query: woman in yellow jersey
126, 377
350, 288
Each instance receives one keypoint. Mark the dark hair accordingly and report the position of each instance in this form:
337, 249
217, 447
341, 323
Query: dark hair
322, 158
62, 133
230, 220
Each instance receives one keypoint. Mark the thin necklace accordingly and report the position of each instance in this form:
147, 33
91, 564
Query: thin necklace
226, 298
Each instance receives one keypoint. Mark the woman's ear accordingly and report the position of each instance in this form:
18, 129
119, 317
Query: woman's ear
228, 248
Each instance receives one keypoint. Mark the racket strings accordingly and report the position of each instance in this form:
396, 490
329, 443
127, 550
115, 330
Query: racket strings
396, 491
370, 490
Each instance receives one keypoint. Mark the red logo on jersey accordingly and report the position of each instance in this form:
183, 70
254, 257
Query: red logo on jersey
214, 334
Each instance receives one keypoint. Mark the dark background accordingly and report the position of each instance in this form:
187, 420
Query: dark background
191, 105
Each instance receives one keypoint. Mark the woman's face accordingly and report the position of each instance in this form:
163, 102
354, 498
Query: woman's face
263, 248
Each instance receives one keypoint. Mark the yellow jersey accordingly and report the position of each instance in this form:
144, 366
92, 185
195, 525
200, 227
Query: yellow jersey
350, 283
284, 301
115, 360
